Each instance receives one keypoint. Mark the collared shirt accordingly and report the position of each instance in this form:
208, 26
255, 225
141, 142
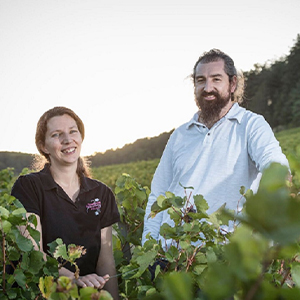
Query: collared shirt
216, 162
78, 222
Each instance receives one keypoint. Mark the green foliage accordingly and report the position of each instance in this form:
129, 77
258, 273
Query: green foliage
259, 260
142, 171
132, 199
24, 273
20, 265
272, 89
16, 160
140, 150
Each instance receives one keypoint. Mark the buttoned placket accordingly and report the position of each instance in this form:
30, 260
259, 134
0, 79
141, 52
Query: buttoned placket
62, 194
208, 132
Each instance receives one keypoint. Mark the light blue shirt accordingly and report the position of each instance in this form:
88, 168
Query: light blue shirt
216, 162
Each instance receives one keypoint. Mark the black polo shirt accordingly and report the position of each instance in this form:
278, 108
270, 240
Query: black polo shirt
78, 222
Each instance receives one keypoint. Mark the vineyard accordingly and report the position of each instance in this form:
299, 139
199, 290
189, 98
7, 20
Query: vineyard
259, 260
143, 171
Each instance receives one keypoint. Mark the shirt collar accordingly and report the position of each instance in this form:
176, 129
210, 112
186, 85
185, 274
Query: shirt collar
235, 113
48, 182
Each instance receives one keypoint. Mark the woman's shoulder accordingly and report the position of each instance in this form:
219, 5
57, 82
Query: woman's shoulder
91, 183
35, 178
29, 177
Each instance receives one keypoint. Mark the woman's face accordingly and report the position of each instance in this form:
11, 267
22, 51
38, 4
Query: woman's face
63, 141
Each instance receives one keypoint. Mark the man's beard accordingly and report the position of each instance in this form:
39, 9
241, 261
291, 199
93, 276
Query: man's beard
210, 110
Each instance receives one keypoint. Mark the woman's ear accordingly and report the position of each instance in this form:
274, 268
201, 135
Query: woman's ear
44, 149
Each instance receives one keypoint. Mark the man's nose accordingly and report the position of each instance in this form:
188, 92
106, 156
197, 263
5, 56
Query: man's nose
208, 86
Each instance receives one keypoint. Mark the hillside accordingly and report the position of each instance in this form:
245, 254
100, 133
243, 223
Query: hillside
141, 149
146, 149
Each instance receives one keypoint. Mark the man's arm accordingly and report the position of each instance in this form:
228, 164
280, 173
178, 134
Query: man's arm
263, 147
160, 185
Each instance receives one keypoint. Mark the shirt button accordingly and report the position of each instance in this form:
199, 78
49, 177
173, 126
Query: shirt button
208, 134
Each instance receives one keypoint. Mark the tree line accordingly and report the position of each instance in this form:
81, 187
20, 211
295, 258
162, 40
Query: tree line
272, 90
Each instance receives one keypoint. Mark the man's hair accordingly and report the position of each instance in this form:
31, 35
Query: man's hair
40, 136
214, 55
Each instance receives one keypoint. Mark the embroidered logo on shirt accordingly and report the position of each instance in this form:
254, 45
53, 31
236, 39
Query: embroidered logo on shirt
94, 205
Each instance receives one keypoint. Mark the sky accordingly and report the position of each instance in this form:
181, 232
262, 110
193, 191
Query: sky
123, 65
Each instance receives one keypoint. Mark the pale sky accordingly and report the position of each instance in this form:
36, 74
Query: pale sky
122, 65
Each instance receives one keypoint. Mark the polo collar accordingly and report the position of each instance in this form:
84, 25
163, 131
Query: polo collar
235, 113
86, 184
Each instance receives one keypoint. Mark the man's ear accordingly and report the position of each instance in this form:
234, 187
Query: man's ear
233, 84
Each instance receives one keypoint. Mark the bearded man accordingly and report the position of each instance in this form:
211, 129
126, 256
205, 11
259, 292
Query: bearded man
222, 148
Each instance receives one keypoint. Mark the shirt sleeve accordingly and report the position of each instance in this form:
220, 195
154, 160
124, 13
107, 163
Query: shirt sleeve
263, 147
110, 212
27, 193
161, 182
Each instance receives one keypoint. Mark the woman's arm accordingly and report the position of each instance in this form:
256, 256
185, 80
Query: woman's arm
25, 233
39, 247
106, 262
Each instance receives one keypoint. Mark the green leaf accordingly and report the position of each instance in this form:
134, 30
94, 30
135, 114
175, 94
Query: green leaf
210, 255
23, 243
144, 261
13, 254
200, 203
175, 214
47, 286
178, 286
184, 244
20, 278
35, 234
6, 226
271, 211
178, 202
4, 213
52, 246
161, 201
32, 219
36, 262
61, 251
19, 211
86, 293
295, 271
274, 178
172, 254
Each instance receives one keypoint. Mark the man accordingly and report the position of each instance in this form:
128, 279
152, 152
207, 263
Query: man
222, 148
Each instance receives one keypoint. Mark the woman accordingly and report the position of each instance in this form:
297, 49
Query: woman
67, 203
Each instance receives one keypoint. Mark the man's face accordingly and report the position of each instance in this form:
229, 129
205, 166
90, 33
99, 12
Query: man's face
212, 89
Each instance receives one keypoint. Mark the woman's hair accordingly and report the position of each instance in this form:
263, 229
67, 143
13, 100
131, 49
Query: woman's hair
229, 68
40, 136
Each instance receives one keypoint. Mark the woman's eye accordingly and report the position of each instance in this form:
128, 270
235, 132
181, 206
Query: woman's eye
73, 131
55, 135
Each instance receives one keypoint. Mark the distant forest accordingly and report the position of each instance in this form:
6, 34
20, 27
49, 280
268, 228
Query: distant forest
272, 90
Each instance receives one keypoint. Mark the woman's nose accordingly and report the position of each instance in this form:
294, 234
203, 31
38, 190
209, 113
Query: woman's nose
66, 138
